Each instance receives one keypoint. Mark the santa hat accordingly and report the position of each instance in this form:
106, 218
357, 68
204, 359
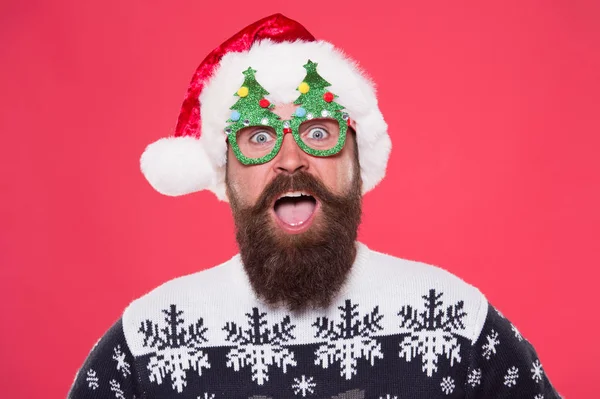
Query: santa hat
194, 158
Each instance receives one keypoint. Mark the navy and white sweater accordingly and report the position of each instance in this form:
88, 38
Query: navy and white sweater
398, 329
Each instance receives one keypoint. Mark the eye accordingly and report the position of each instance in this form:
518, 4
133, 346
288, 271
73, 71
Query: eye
261, 137
318, 133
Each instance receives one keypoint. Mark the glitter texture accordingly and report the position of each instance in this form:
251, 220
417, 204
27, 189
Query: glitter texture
313, 101
254, 115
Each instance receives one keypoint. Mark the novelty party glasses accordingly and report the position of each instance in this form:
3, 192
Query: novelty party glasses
318, 125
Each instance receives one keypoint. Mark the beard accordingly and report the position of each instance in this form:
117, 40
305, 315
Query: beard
305, 270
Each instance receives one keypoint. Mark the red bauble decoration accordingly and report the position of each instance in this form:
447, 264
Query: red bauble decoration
264, 103
328, 96
287, 130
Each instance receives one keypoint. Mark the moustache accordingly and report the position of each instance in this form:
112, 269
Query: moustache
298, 181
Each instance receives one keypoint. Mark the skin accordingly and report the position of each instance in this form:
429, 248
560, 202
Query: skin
249, 181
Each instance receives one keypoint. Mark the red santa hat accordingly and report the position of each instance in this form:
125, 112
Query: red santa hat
194, 158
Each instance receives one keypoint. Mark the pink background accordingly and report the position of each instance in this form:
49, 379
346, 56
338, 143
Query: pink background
494, 116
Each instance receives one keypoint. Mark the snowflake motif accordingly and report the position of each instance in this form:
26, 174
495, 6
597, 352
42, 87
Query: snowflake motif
116, 388
447, 385
537, 371
304, 385
259, 346
349, 340
122, 365
388, 396
539, 396
432, 332
177, 348
517, 333
510, 379
489, 348
474, 377
92, 379
207, 396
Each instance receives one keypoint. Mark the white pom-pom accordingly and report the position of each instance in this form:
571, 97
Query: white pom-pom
177, 166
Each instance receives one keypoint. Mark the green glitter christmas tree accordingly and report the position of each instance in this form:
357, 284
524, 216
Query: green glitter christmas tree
315, 100
252, 109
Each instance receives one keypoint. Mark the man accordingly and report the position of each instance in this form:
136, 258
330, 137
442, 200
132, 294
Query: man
288, 130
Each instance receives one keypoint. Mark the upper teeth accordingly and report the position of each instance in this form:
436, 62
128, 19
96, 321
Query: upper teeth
294, 194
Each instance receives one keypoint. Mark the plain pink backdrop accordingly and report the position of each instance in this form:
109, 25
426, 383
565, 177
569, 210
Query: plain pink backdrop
494, 116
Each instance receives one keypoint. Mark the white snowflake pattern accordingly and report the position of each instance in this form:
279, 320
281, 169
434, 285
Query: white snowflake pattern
537, 371
539, 396
122, 365
517, 333
207, 396
304, 385
92, 379
474, 377
177, 348
447, 385
432, 332
349, 340
260, 347
116, 388
388, 396
510, 379
489, 348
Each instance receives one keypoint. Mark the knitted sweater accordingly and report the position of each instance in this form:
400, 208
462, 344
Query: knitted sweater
397, 329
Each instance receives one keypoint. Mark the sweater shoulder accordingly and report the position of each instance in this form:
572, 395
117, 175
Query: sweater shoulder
208, 281
399, 268
195, 295
413, 283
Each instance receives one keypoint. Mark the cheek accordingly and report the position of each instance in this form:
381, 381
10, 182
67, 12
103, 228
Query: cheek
336, 173
246, 183
345, 171
345, 175
350, 172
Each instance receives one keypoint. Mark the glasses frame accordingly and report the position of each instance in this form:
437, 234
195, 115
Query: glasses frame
294, 125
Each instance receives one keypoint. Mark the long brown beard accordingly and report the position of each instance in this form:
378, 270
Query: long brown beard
305, 270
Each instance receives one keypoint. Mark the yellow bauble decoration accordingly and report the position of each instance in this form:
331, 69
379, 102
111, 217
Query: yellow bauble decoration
303, 88
243, 91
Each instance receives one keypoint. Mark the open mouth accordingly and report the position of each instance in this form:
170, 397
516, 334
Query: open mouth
294, 210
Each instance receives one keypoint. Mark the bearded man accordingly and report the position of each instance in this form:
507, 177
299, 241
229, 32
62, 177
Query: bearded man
287, 130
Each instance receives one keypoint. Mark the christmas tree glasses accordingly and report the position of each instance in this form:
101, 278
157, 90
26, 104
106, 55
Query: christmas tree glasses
318, 125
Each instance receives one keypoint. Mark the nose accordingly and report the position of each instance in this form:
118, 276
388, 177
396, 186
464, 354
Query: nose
290, 158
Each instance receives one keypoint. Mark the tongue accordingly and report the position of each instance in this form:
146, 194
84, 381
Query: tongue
295, 213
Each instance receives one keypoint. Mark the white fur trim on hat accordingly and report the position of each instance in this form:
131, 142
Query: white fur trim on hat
177, 165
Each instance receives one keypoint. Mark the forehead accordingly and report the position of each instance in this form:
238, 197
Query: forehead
285, 111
